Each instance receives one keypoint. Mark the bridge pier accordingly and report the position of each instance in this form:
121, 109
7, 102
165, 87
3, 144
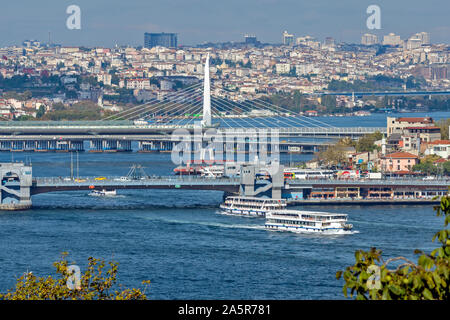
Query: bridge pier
124, 145
251, 187
96, 145
16, 180
147, 146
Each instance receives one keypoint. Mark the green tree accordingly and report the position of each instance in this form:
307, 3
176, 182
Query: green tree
366, 142
98, 282
428, 279
329, 102
444, 124
446, 167
40, 112
425, 167
333, 156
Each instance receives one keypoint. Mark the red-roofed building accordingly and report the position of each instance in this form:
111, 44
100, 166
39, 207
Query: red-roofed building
440, 148
399, 161
398, 125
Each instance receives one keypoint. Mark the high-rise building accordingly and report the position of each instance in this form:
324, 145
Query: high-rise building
392, 40
418, 40
250, 39
425, 36
168, 40
288, 39
329, 41
369, 39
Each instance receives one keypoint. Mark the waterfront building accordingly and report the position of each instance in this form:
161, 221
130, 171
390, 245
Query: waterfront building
398, 125
168, 40
440, 148
423, 133
398, 162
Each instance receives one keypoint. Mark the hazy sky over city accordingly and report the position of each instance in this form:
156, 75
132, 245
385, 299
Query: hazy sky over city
110, 22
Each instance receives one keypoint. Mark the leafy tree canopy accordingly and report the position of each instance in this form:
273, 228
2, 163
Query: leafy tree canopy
98, 282
428, 279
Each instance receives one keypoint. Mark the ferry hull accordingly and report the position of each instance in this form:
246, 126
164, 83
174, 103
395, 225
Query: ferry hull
302, 229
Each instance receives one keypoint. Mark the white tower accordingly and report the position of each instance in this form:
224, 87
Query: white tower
206, 122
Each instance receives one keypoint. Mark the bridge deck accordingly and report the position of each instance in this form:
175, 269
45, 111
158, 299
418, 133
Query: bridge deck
50, 184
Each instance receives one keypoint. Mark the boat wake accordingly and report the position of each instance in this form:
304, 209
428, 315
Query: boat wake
211, 224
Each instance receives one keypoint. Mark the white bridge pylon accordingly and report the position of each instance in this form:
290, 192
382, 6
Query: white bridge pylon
194, 106
206, 122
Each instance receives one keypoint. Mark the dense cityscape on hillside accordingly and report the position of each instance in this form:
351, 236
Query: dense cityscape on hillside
54, 82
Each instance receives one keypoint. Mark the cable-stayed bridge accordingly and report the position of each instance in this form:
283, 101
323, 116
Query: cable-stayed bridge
195, 110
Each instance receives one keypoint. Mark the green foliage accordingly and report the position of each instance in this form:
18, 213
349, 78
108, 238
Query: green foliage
444, 124
84, 110
25, 118
427, 166
429, 279
295, 101
98, 282
446, 167
26, 95
329, 102
333, 156
366, 142
40, 112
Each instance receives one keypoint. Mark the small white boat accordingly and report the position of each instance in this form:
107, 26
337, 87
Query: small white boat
307, 221
251, 206
103, 193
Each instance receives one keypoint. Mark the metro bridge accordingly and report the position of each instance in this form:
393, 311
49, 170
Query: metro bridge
193, 109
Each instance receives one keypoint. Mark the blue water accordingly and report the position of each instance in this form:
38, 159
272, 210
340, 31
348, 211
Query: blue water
178, 241
374, 120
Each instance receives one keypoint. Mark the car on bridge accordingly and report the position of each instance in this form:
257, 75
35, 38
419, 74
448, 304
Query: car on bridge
100, 178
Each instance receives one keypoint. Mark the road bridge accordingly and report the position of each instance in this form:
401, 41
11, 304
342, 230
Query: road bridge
18, 185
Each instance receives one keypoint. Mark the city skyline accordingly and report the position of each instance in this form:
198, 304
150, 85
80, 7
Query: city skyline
197, 23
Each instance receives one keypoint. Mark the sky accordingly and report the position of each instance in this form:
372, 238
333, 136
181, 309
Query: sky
124, 22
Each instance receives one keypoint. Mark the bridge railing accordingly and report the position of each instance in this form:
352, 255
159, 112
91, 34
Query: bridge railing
50, 181
160, 180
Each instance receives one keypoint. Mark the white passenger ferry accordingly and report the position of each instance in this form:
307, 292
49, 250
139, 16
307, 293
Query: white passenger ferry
307, 221
251, 206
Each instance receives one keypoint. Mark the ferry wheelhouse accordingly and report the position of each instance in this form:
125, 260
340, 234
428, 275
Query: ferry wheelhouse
307, 221
251, 206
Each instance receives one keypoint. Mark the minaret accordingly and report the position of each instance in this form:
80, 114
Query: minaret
206, 97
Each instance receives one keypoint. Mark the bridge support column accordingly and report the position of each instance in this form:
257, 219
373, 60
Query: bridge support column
76, 145
96, 145
124, 145
16, 180
17, 145
5, 145
41, 146
250, 187
148, 146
